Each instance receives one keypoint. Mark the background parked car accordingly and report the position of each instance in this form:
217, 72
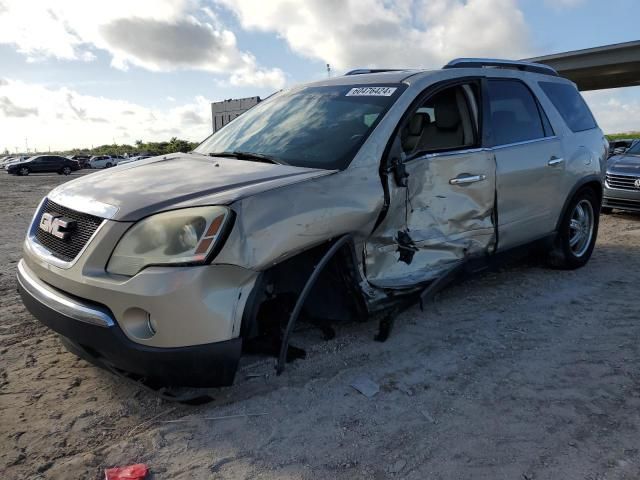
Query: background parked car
42, 164
622, 181
618, 147
104, 161
15, 159
83, 160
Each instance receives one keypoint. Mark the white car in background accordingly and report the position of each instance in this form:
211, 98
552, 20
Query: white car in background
104, 161
11, 160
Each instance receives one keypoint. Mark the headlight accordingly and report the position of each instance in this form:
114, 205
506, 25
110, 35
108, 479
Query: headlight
184, 236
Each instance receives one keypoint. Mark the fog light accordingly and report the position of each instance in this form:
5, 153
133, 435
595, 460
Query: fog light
138, 323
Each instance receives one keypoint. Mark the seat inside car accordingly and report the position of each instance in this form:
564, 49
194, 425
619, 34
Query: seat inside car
452, 126
412, 131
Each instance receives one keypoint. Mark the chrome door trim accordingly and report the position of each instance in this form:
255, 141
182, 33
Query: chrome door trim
64, 305
468, 151
525, 142
450, 153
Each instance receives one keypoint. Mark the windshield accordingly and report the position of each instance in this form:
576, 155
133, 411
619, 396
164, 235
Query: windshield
634, 150
316, 127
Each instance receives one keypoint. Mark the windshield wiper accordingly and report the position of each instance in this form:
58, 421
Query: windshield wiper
258, 157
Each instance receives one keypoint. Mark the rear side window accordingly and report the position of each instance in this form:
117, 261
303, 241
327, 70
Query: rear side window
514, 113
570, 104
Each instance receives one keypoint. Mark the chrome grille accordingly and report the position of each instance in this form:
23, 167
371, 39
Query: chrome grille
622, 182
68, 249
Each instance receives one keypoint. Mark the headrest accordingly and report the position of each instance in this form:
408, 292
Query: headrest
418, 122
446, 110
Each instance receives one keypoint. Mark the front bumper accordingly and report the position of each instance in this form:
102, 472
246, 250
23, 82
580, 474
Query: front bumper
621, 199
92, 329
161, 306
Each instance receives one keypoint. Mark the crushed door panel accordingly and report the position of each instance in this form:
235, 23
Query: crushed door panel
436, 221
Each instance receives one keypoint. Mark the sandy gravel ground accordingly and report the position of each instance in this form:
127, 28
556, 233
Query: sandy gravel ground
525, 373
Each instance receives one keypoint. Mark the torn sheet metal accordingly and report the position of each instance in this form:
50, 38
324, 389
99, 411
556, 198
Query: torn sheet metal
432, 224
278, 224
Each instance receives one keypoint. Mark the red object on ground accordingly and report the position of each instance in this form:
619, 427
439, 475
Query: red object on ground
132, 472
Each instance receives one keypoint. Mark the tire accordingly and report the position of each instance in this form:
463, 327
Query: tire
578, 231
606, 210
108, 165
23, 171
66, 170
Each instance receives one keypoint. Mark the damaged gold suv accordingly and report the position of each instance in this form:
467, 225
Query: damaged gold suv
329, 201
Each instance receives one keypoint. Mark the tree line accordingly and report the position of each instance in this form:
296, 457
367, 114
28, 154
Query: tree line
150, 148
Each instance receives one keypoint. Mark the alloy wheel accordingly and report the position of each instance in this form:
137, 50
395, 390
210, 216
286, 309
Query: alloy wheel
581, 227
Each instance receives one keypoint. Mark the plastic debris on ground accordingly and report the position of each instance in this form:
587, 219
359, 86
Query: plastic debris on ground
132, 472
366, 386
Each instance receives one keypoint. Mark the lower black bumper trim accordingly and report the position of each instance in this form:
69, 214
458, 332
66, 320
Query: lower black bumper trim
209, 365
621, 203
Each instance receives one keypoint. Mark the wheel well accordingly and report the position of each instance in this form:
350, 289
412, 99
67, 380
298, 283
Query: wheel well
336, 295
595, 187
592, 183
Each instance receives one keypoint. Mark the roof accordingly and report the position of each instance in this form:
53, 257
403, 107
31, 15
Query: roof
391, 76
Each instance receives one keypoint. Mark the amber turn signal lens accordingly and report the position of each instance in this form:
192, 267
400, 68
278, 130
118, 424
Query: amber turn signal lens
214, 227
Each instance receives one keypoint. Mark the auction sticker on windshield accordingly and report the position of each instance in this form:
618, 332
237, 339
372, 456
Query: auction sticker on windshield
371, 92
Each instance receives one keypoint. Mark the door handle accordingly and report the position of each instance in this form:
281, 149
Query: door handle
553, 161
466, 179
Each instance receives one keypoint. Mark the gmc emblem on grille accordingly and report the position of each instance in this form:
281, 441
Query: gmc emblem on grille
637, 183
57, 225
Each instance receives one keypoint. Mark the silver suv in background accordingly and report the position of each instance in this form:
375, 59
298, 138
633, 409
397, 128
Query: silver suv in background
622, 185
329, 201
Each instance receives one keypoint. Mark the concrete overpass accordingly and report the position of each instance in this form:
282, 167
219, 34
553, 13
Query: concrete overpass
609, 66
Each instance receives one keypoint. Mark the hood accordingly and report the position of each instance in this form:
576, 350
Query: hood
135, 190
624, 164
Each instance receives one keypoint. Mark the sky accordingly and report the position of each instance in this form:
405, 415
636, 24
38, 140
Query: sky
82, 73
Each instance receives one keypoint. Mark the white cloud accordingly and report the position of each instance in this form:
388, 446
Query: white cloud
616, 110
62, 118
413, 33
158, 35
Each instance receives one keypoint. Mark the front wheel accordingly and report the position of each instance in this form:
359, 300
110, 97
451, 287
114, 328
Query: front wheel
109, 165
577, 233
66, 171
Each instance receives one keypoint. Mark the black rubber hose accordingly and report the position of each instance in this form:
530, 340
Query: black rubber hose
303, 296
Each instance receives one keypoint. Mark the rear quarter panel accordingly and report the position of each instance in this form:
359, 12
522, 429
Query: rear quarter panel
585, 152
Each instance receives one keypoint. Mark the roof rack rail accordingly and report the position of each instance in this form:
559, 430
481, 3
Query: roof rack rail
497, 63
362, 71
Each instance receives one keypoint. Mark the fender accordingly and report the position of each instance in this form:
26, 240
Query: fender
590, 179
